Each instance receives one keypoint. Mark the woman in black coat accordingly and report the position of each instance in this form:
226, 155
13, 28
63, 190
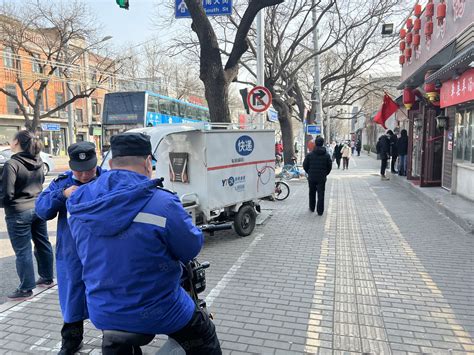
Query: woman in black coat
402, 146
22, 182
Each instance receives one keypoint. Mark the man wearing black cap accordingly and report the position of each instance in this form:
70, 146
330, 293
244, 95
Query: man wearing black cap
52, 202
132, 237
318, 165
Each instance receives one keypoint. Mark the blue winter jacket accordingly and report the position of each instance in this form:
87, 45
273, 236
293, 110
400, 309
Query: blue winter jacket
131, 237
51, 203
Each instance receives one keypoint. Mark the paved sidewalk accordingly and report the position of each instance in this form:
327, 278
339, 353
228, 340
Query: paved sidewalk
381, 272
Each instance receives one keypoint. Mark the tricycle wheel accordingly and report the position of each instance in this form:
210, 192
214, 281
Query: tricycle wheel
245, 220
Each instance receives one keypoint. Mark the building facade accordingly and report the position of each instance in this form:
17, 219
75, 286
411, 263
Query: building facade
438, 82
26, 67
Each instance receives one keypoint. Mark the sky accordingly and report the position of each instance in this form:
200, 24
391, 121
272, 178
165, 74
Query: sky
131, 26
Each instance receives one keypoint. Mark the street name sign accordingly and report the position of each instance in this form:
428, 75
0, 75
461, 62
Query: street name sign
259, 99
55, 127
313, 129
211, 7
272, 115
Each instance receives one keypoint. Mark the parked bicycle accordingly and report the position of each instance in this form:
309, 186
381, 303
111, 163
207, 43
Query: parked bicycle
290, 171
282, 190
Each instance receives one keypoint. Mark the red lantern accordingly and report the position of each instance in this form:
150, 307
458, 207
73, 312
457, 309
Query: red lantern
429, 10
408, 54
417, 25
408, 98
409, 24
416, 40
402, 45
403, 33
417, 10
441, 13
409, 38
430, 89
428, 29
402, 59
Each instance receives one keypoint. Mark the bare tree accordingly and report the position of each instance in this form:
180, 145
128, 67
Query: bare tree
52, 37
215, 76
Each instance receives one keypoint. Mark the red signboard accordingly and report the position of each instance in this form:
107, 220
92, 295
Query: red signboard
459, 90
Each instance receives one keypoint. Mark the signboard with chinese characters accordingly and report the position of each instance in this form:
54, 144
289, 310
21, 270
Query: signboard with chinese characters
459, 16
313, 129
211, 7
272, 115
456, 91
55, 127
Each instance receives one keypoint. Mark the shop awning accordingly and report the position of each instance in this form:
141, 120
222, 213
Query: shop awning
437, 61
453, 68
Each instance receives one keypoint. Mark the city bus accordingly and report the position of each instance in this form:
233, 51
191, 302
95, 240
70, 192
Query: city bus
127, 110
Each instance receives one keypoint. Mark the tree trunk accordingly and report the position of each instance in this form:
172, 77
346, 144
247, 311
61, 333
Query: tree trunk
284, 117
217, 96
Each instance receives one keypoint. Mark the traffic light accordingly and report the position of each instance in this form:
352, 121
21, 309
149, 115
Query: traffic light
123, 4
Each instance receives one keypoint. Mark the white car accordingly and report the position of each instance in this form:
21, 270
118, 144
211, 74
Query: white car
48, 162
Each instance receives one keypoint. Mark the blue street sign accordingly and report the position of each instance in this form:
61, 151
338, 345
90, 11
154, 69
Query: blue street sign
313, 129
272, 115
212, 8
56, 127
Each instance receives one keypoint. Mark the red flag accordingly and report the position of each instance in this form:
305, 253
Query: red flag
389, 107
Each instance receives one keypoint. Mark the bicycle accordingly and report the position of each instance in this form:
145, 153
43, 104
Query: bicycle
282, 190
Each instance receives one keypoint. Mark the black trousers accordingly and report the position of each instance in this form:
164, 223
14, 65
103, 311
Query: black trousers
72, 334
338, 162
383, 167
319, 188
393, 162
345, 163
198, 337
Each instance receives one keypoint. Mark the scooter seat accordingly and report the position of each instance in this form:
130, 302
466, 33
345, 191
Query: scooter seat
121, 337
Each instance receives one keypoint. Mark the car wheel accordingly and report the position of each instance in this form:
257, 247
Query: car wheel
45, 169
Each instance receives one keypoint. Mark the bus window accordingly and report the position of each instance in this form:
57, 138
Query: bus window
152, 104
183, 110
164, 107
174, 108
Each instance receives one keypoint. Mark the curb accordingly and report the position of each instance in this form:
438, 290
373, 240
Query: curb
36, 292
432, 201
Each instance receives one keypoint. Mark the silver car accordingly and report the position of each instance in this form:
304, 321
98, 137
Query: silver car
48, 162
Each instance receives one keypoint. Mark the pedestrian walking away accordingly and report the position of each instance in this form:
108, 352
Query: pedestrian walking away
22, 182
346, 155
402, 147
358, 147
318, 165
383, 152
132, 266
52, 203
338, 154
393, 150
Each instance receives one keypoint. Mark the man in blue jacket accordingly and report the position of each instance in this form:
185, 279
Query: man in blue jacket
52, 203
131, 237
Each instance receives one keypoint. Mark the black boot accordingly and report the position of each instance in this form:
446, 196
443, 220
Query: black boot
72, 334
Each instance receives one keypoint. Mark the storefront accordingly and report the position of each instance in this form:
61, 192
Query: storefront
7, 133
435, 51
457, 100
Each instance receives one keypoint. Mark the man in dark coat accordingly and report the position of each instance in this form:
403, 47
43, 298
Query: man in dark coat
338, 154
383, 150
318, 165
393, 149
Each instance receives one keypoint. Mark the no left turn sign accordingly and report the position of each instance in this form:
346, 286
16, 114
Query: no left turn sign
259, 99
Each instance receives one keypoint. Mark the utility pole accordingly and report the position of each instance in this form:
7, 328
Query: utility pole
317, 97
261, 58
70, 117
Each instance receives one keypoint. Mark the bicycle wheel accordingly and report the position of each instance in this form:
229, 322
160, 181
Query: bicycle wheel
282, 190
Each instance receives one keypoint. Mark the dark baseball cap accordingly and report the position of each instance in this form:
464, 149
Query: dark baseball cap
82, 156
130, 144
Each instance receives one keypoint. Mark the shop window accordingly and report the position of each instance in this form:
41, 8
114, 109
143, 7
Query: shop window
465, 136
12, 107
8, 58
6, 134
